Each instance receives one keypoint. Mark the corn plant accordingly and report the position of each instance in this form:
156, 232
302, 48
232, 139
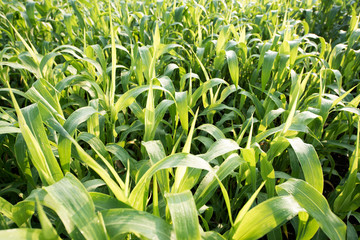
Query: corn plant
179, 119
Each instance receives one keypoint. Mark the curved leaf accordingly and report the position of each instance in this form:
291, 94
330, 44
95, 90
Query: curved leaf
70, 125
184, 215
315, 205
121, 221
77, 213
310, 163
267, 216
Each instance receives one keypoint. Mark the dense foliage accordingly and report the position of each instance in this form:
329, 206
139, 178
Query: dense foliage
179, 119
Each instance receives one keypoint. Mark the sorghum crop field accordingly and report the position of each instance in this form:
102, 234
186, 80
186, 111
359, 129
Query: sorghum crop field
187, 119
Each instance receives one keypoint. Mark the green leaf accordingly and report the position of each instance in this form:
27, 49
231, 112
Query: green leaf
128, 98
112, 86
343, 201
212, 130
191, 176
244, 210
269, 59
70, 125
204, 88
42, 91
267, 216
121, 221
184, 215
47, 60
6, 208
233, 65
104, 202
160, 111
219, 148
267, 173
310, 163
34, 121
146, 59
138, 196
249, 156
99, 147
339, 99
22, 159
121, 154
48, 233
156, 152
86, 158
75, 212
33, 145
187, 146
21, 233
182, 109
150, 116
222, 39
29, 48
22, 211
211, 236
208, 185
315, 205
78, 14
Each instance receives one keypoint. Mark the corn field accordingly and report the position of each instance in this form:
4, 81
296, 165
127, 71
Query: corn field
186, 119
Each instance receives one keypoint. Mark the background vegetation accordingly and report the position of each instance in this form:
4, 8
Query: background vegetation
179, 119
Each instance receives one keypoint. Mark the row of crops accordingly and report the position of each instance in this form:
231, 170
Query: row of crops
208, 119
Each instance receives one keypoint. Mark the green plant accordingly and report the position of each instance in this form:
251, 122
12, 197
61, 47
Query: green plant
179, 119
